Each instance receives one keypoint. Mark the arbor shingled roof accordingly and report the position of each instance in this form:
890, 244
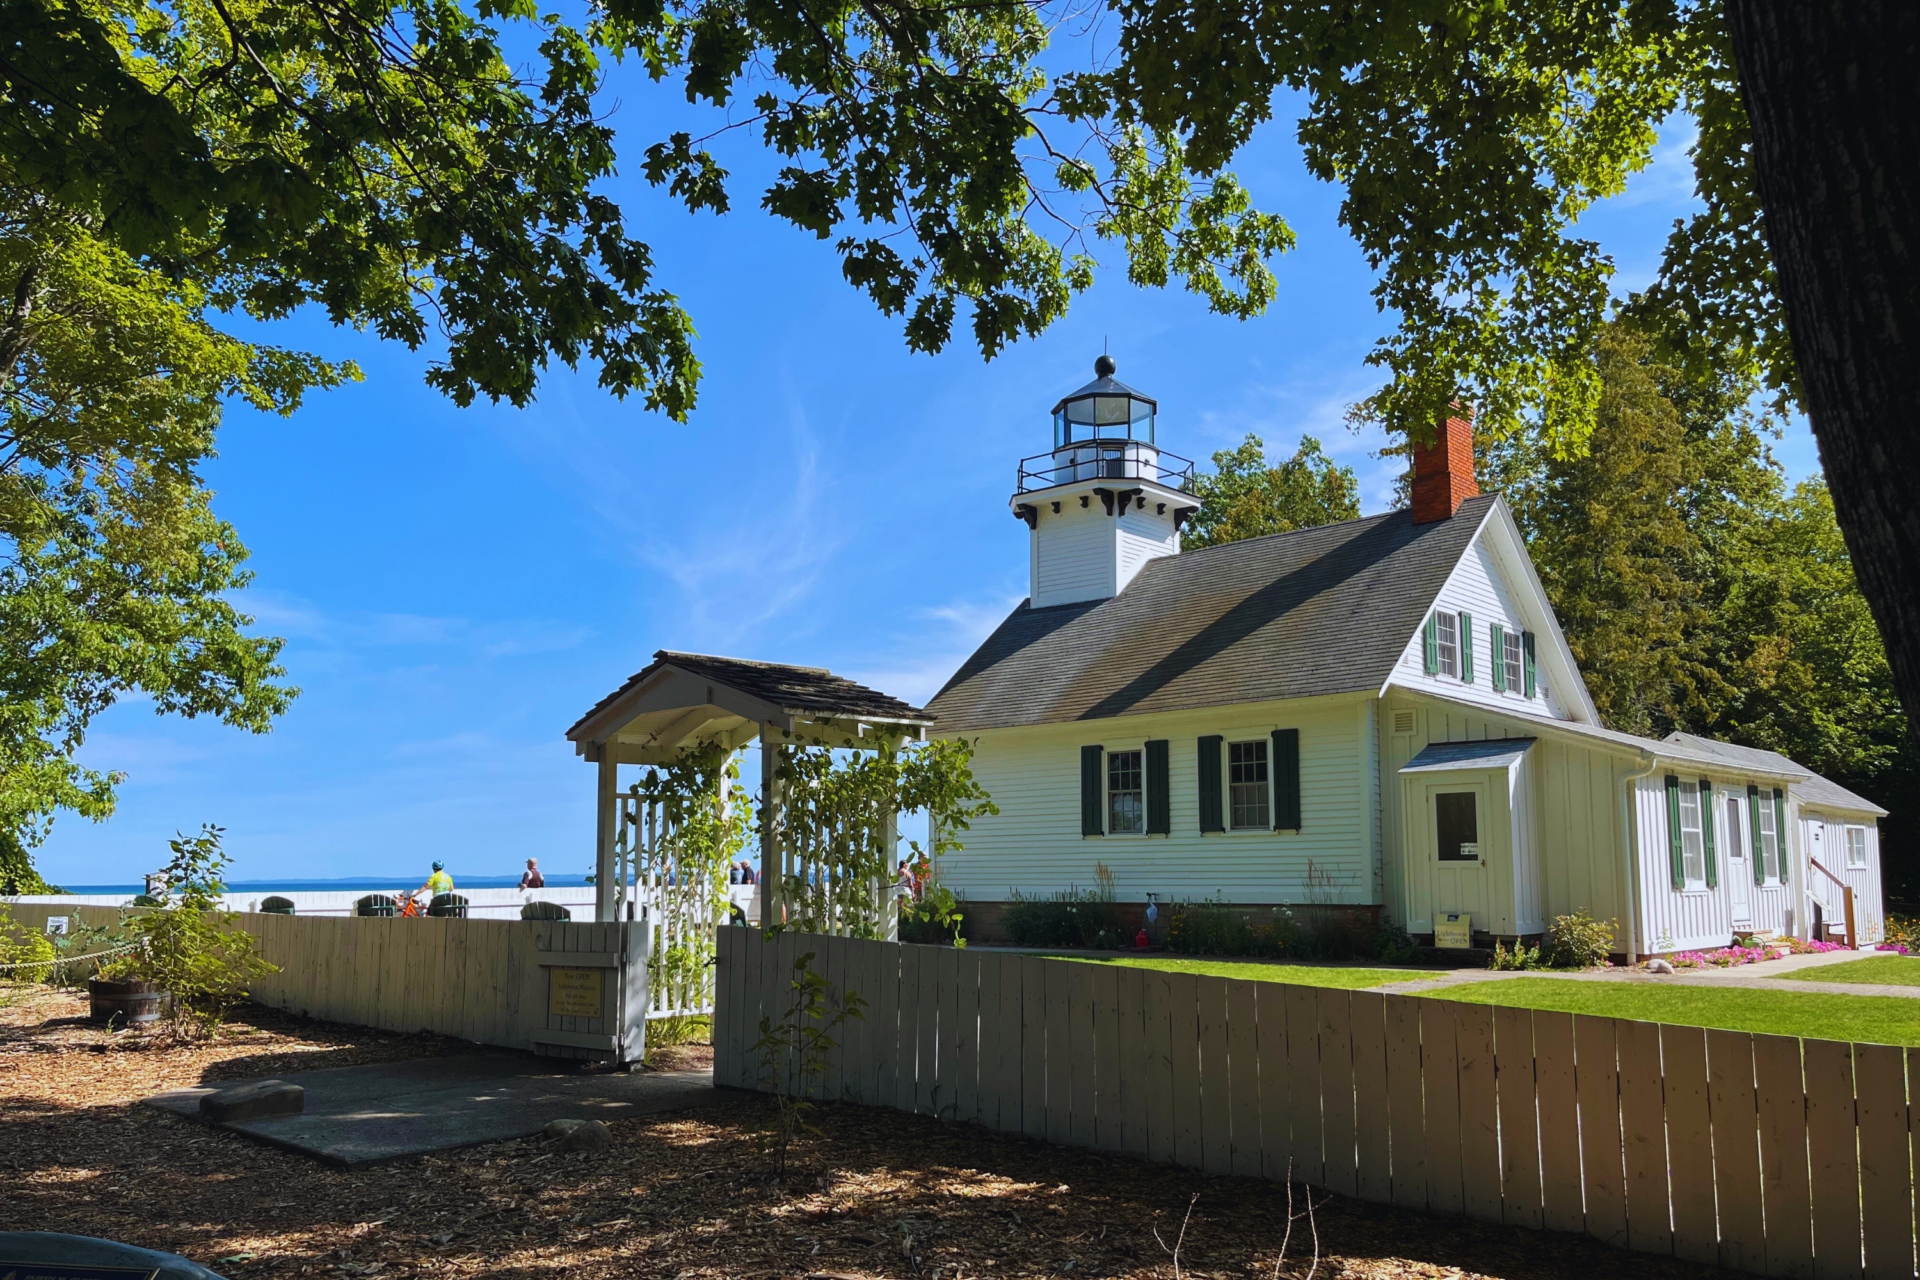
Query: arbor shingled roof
1293, 615
813, 692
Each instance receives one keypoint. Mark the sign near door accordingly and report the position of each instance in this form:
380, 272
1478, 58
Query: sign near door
1453, 930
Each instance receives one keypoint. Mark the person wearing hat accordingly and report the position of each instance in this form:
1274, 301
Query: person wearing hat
439, 882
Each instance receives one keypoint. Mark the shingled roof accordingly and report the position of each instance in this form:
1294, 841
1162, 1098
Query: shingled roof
1815, 790
1294, 615
811, 692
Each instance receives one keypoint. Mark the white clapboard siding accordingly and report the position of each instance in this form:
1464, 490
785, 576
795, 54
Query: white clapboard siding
1034, 846
1487, 584
1760, 1153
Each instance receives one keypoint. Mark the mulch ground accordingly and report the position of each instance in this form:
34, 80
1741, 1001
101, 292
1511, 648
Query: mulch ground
873, 1194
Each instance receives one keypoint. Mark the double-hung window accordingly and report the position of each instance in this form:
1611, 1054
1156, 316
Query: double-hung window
1247, 789
1856, 846
1769, 843
1126, 795
1693, 849
1447, 627
1515, 662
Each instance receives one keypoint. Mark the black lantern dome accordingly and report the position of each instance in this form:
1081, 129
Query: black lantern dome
1104, 409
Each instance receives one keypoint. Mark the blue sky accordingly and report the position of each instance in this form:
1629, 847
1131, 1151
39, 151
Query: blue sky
457, 586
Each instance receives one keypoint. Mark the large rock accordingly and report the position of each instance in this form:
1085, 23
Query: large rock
254, 1100
39, 1247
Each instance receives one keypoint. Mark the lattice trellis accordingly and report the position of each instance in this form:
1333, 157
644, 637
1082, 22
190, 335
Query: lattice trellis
676, 869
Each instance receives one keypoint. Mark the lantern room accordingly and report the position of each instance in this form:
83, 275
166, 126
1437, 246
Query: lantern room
1106, 499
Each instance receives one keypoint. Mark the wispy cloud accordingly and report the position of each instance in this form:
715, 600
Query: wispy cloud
921, 661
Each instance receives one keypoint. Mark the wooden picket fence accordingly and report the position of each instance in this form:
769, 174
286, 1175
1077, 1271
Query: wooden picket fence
1762, 1153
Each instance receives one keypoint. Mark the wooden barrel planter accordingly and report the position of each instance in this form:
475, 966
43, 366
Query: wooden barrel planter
127, 1002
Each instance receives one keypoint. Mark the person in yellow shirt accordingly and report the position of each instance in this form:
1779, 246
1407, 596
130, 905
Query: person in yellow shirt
438, 882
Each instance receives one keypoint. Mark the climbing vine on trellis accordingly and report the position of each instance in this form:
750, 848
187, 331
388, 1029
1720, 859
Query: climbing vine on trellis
681, 827
838, 832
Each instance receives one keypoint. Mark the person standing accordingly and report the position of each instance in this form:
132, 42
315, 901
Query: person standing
531, 877
439, 882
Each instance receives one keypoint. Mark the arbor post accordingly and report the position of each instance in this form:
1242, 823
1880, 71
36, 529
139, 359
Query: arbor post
606, 897
773, 796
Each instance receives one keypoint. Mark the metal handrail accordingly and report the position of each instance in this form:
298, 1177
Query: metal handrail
1115, 465
1853, 943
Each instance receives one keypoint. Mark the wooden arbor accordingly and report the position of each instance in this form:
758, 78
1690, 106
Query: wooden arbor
686, 700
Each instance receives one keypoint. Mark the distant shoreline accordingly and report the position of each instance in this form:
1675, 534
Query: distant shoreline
347, 884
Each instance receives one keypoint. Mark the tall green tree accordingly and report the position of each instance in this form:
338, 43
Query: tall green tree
1245, 497
117, 576
1699, 592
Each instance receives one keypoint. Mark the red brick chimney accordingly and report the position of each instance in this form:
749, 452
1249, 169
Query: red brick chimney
1443, 471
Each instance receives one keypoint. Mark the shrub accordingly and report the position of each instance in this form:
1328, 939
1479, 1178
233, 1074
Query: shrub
21, 945
1068, 919
1392, 944
1903, 931
194, 950
1521, 957
1576, 941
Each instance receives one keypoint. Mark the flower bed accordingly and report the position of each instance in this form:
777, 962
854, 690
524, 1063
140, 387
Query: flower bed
1728, 957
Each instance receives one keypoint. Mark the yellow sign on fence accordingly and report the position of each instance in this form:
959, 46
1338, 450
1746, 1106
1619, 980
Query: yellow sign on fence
574, 993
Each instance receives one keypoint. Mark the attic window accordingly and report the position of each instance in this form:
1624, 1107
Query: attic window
1515, 660
1449, 644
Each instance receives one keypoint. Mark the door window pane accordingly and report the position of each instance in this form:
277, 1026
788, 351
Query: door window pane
1457, 821
1126, 804
1736, 847
1247, 783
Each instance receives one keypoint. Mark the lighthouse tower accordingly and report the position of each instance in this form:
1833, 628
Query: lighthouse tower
1105, 499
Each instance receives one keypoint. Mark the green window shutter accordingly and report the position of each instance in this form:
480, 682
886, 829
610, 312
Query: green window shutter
1466, 648
1211, 817
1159, 801
1497, 655
1706, 831
1780, 829
1526, 647
1093, 822
1753, 825
1432, 634
1286, 779
1673, 833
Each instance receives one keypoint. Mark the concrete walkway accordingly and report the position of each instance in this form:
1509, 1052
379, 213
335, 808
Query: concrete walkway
389, 1111
1764, 976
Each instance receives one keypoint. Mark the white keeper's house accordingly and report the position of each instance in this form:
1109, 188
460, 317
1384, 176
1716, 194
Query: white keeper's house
1378, 715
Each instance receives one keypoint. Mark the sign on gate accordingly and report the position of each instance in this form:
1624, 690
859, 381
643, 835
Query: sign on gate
575, 993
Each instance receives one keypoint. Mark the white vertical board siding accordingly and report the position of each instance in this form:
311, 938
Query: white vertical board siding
1142, 536
1570, 794
1478, 587
1073, 554
1869, 911
1673, 920
1526, 880
1034, 845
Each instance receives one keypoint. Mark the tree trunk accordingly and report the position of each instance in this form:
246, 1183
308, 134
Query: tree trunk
1833, 93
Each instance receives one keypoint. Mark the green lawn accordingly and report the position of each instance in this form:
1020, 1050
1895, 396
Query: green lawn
1885, 971
1816, 1015
1299, 974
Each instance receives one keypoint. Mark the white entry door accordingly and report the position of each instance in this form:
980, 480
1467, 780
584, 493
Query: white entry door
1460, 825
1739, 854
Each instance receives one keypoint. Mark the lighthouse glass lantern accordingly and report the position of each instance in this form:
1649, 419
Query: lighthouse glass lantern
1104, 430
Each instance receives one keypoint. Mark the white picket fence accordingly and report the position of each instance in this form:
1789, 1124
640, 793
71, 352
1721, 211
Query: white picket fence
1761, 1153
